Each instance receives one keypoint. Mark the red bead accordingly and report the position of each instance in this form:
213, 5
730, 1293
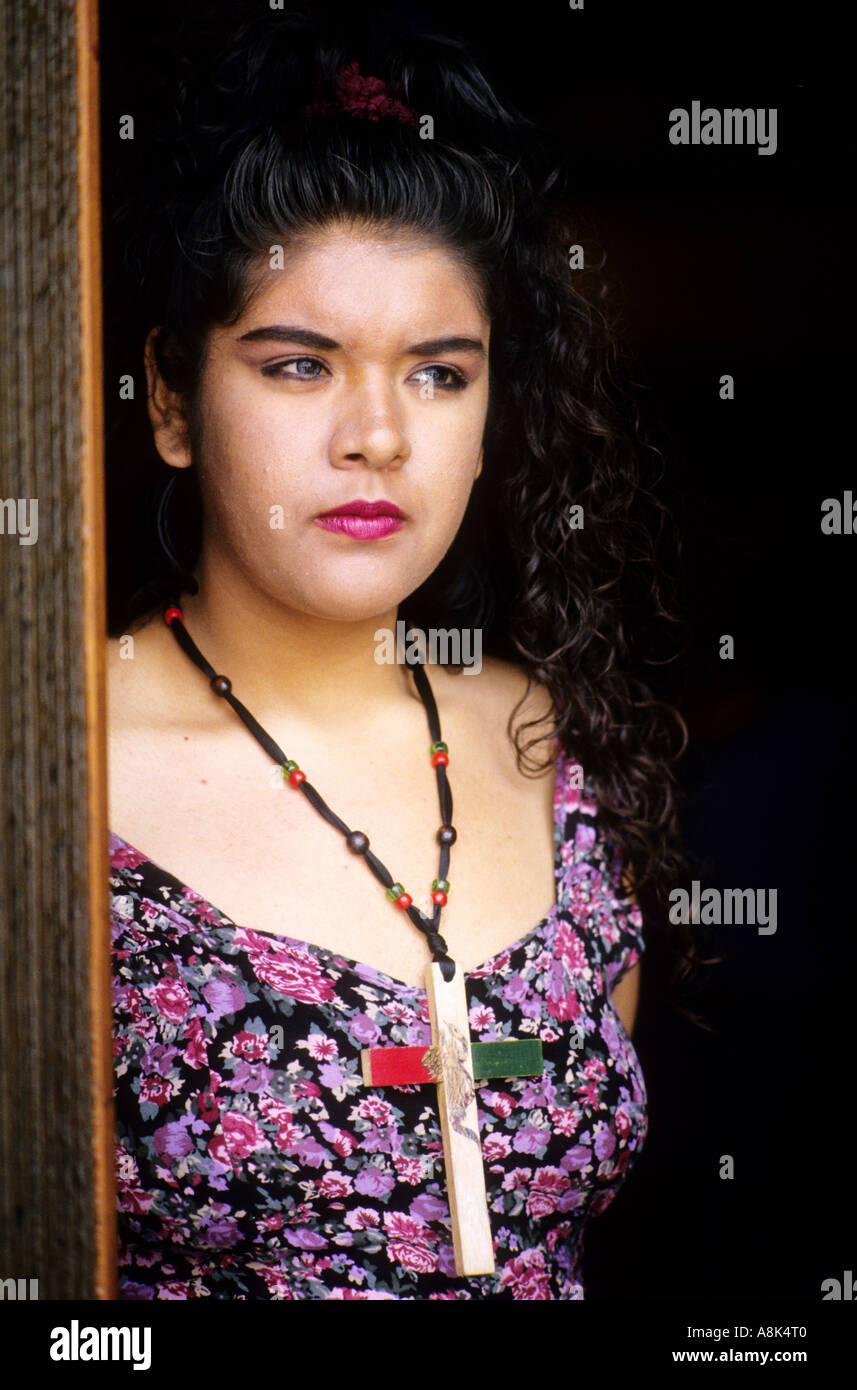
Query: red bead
440, 758
439, 897
296, 777
173, 613
404, 901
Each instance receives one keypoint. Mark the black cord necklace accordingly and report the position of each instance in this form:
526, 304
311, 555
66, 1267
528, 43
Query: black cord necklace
356, 841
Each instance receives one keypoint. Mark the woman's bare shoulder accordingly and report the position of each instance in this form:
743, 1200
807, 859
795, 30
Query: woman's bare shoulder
507, 683
139, 674
498, 694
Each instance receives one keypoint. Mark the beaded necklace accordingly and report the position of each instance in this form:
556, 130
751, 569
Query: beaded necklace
356, 840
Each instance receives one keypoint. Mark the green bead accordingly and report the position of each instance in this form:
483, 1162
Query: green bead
395, 892
289, 766
439, 748
440, 885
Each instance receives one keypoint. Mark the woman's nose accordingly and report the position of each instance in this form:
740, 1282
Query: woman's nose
372, 431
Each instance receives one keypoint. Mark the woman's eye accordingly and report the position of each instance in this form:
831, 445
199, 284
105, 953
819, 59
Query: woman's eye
278, 369
308, 368
457, 382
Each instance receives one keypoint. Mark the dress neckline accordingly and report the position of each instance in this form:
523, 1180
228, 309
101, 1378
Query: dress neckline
362, 968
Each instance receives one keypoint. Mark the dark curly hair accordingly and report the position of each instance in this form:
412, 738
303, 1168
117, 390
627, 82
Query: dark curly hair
238, 169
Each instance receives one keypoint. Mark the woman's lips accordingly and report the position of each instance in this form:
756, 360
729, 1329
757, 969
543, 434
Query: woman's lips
361, 528
363, 521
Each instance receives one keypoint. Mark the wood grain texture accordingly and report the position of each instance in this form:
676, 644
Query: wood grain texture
94, 591
57, 1220
459, 1121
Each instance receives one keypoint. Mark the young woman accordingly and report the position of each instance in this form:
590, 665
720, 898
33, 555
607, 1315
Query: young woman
370, 372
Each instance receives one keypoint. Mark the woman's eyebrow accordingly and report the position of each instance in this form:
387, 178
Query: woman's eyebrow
289, 333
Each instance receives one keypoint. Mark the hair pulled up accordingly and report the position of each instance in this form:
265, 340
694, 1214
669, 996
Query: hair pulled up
238, 169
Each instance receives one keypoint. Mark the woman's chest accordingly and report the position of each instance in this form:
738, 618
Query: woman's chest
291, 1102
222, 820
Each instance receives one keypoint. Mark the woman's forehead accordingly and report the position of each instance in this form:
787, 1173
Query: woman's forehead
356, 279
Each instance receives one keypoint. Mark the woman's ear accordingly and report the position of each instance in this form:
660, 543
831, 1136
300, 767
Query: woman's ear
166, 412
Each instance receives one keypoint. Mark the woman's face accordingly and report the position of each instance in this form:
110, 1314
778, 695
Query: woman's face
358, 373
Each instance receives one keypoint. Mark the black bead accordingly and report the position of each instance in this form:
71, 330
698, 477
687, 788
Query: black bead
357, 842
221, 685
447, 835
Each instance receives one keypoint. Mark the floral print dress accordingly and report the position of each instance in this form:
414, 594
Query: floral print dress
252, 1161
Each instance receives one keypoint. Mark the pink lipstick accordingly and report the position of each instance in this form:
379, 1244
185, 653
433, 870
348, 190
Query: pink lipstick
362, 520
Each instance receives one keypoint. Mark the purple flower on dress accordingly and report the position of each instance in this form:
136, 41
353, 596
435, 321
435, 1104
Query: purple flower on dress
373, 1182
179, 920
172, 1140
250, 1077
305, 1239
218, 1235
613, 969
429, 1208
605, 1143
557, 982
570, 1200
363, 1029
376, 1141
515, 990
331, 1074
159, 1059
576, 1158
539, 1092
222, 998
310, 1152
529, 1139
609, 1033
368, 972
584, 837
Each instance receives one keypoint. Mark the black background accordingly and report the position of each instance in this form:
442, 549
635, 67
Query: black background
720, 260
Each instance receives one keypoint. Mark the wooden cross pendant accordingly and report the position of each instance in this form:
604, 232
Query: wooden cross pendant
453, 1063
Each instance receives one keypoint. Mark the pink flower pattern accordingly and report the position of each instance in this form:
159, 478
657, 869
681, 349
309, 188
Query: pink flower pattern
251, 1161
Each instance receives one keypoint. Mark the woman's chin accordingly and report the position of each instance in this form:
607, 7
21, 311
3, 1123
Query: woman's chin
340, 606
